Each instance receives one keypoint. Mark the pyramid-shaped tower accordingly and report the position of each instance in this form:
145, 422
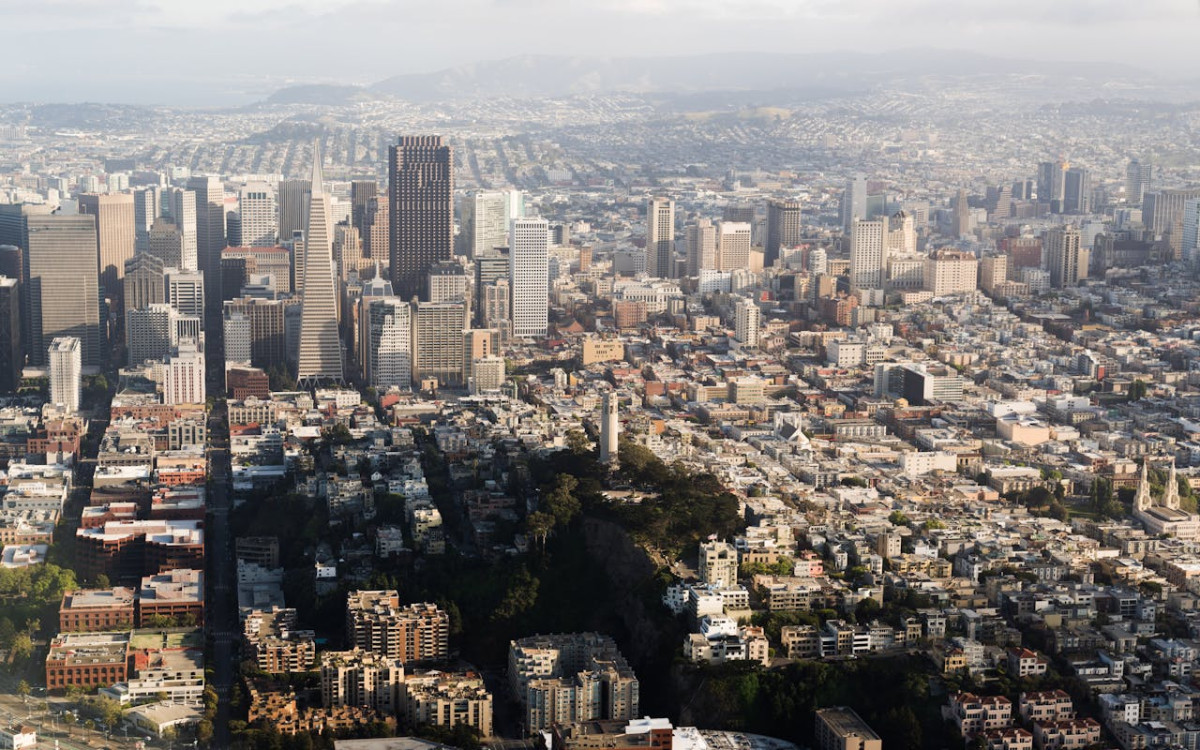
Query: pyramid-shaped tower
320, 360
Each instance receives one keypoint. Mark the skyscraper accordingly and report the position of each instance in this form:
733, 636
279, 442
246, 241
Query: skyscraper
145, 283
320, 357
421, 190
962, 214
150, 333
375, 240
660, 237
387, 341
238, 338
210, 232
362, 192
784, 228
867, 256
185, 291
438, 341
1162, 214
1138, 176
495, 308
63, 284
700, 240
529, 248
483, 223
1051, 184
293, 206
447, 282
183, 375
183, 215
11, 357
64, 357
733, 245
746, 321
1066, 257
115, 236
258, 215
1191, 229
610, 428
146, 208
1077, 191
854, 202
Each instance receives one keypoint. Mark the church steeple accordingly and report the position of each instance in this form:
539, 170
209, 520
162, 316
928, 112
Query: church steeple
1143, 501
1171, 491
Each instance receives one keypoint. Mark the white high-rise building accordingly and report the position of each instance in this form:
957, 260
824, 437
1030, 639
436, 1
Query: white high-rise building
1066, 258
65, 357
902, 234
150, 333
487, 374
1137, 181
660, 237
701, 242
718, 564
185, 291
746, 322
868, 259
610, 428
238, 338
951, 272
1191, 229
182, 206
854, 202
387, 338
528, 258
733, 245
146, 208
320, 356
483, 221
183, 375
818, 261
258, 214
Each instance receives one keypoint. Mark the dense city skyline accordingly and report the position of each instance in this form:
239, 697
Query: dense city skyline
629, 375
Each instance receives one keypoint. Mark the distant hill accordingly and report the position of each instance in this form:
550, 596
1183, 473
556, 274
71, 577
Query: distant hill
539, 76
319, 93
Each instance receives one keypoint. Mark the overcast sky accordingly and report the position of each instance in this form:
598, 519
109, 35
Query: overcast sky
234, 51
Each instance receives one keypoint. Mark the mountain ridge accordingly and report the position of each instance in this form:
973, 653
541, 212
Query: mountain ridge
551, 76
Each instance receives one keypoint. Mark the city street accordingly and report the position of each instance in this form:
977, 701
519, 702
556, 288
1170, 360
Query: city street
221, 617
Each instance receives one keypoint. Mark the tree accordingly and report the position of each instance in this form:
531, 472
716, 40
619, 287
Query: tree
578, 442
561, 501
897, 518
102, 582
168, 734
23, 690
204, 731
22, 647
539, 525
68, 720
1137, 390
866, 610
110, 711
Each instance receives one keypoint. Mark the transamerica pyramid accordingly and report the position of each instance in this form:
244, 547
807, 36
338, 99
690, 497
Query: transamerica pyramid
320, 361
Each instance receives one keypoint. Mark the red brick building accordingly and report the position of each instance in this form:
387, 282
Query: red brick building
91, 610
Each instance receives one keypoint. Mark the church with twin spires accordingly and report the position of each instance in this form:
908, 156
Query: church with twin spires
1164, 516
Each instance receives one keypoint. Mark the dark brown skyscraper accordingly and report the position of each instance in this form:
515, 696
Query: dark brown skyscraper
784, 228
361, 193
421, 190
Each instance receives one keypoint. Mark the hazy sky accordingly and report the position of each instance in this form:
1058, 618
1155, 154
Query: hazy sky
232, 51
